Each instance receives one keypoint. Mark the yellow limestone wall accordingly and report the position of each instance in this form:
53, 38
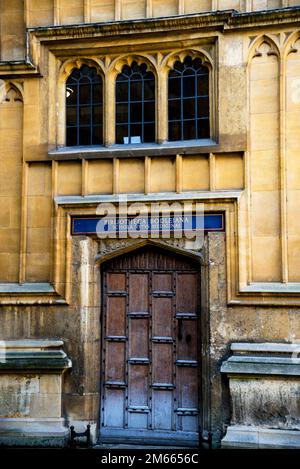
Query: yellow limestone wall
256, 107
39, 222
265, 184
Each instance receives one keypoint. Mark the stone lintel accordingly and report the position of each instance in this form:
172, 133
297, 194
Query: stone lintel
74, 200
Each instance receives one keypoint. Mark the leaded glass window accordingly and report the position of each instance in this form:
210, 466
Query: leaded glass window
135, 105
188, 100
84, 107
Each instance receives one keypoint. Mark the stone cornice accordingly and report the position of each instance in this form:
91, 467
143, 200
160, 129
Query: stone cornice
94, 200
21, 68
217, 20
211, 20
222, 21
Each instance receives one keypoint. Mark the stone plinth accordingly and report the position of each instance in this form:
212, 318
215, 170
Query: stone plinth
264, 382
30, 393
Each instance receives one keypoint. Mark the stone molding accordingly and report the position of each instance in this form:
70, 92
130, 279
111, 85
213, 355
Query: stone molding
70, 200
222, 20
192, 147
119, 246
263, 359
35, 355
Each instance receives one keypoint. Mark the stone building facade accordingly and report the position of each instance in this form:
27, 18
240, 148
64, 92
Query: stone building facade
102, 331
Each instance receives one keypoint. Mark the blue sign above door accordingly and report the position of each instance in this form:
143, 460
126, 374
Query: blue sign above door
121, 225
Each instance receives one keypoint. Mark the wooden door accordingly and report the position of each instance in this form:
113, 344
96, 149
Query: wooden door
150, 349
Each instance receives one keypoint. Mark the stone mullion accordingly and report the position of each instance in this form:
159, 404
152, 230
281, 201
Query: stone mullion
162, 106
109, 108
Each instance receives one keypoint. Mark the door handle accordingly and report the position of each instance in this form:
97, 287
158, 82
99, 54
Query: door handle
180, 329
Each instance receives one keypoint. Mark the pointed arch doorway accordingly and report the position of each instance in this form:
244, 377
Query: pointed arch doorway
150, 379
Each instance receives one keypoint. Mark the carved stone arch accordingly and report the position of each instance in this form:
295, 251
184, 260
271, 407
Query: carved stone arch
70, 64
291, 44
10, 92
263, 45
169, 61
118, 63
115, 248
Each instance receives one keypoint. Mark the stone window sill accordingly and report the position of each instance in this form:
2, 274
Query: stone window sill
187, 147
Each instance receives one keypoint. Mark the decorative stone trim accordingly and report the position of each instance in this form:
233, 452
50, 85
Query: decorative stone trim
36, 355
190, 147
263, 359
109, 247
68, 200
272, 287
223, 20
20, 68
44, 288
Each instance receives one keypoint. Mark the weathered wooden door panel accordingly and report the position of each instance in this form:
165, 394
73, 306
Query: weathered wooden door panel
150, 351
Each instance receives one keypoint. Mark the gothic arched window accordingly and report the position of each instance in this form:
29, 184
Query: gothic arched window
84, 107
188, 100
135, 105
